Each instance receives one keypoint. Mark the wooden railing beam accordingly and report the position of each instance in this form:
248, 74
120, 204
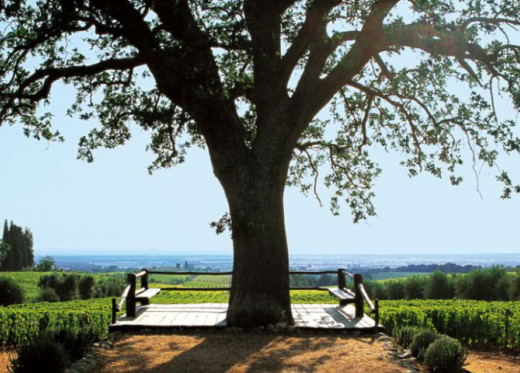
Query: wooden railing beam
130, 299
359, 302
144, 279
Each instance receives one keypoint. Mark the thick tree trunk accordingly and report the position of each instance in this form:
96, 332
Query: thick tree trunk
260, 286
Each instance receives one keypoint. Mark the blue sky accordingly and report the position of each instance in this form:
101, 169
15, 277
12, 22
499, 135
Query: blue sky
113, 206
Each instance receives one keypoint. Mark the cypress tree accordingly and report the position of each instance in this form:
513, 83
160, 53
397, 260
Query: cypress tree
20, 254
10, 254
17, 242
29, 248
5, 238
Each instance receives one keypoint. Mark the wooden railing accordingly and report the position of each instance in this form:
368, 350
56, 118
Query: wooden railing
116, 307
359, 296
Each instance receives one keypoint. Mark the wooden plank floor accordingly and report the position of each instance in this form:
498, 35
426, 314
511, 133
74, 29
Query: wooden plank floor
208, 315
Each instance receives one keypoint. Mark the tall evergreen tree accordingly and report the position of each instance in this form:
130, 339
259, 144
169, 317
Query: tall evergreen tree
14, 233
8, 263
29, 248
4, 248
17, 248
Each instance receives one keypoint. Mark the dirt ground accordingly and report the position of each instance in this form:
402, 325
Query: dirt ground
491, 362
252, 353
234, 353
5, 355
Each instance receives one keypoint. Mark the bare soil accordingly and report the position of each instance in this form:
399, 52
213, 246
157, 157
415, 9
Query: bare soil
5, 356
252, 352
491, 362
224, 352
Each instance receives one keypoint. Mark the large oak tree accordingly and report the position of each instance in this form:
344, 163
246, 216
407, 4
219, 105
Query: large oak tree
248, 78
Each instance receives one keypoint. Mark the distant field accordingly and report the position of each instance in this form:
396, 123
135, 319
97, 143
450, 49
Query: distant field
209, 281
393, 275
179, 297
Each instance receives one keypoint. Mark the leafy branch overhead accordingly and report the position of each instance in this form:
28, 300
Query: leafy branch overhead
248, 79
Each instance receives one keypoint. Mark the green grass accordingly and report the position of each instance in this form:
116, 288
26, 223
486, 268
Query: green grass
179, 297
209, 281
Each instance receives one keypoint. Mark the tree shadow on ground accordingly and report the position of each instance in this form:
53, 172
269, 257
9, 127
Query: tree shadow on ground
241, 352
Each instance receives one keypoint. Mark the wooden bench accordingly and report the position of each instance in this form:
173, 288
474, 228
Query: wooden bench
134, 295
345, 296
143, 295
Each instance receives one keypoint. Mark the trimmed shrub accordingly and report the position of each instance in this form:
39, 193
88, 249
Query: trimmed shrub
48, 295
414, 287
64, 285
485, 284
439, 286
10, 292
395, 289
86, 287
376, 289
514, 291
40, 355
421, 341
76, 342
20, 324
67, 290
445, 355
403, 336
111, 287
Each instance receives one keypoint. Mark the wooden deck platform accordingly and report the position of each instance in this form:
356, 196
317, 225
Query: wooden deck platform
213, 315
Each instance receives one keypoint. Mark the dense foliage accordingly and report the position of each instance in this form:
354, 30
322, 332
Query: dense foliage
353, 64
22, 323
40, 355
53, 351
10, 292
16, 251
494, 283
46, 264
69, 286
445, 355
421, 341
480, 323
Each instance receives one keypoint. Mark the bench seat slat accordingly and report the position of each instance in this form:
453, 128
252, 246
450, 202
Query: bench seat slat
147, 294
341, 294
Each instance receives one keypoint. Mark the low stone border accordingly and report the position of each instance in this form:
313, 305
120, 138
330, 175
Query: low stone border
402, 356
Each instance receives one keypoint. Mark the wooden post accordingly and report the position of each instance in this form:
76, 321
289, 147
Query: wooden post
114, 310
130, 299
342, 282
377, 312
144, 279
359, 302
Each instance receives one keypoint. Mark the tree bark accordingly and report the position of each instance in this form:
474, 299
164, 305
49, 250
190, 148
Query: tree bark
260, 286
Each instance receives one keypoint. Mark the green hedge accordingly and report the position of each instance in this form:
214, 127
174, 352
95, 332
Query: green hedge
472, 322
22, 323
